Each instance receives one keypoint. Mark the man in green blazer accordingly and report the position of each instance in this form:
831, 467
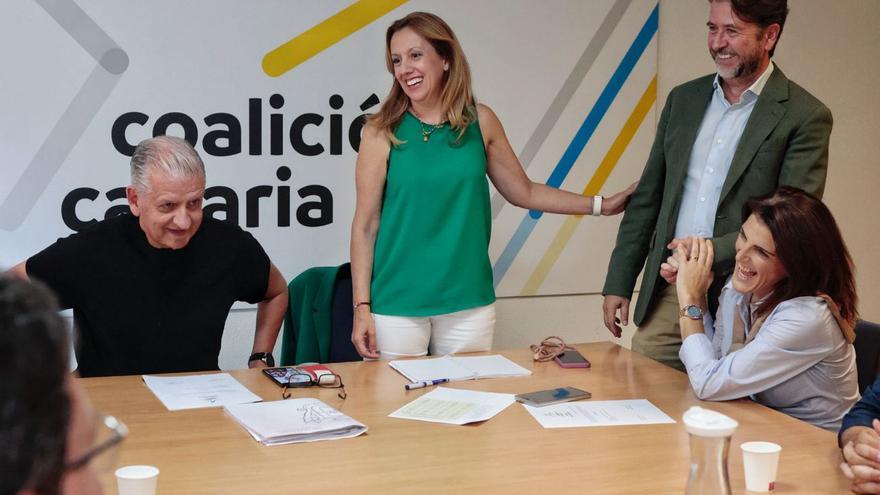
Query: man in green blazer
721, 140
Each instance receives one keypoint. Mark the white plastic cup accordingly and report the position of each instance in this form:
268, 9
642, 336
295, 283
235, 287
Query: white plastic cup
137, 480
760, 462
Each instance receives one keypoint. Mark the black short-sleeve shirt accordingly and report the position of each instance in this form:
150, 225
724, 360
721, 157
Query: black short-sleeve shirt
139, 309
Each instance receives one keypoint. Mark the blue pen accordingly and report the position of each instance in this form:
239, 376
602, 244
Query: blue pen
428, 383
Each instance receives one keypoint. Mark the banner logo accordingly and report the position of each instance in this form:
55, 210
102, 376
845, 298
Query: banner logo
326, 34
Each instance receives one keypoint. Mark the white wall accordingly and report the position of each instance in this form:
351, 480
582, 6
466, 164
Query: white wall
830, 48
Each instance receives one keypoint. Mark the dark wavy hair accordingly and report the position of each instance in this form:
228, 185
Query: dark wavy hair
34, 406
761, 12
810, 247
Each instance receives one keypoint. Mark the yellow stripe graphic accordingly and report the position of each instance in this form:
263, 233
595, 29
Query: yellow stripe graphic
326, 34
593, 187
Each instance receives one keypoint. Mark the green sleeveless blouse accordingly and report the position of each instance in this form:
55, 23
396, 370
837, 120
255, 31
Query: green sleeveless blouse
431, 254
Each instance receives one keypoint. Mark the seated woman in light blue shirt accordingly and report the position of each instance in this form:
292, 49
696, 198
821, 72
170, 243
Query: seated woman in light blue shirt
784, 328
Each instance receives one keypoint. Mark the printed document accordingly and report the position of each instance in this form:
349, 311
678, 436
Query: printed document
454, 407
195, 391
458, 368
599, 413
294, 421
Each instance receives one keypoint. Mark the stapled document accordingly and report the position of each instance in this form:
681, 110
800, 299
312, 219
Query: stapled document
294, 421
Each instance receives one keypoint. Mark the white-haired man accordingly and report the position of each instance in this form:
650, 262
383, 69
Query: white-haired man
150, 291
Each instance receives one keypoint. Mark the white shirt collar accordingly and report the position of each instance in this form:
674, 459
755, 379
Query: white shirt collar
756, 86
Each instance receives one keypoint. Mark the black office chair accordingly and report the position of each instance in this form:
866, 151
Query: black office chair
867, 346
341, 348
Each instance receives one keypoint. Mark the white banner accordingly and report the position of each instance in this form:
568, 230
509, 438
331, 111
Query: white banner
271, 93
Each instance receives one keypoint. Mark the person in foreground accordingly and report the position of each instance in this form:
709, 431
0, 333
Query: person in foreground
51, 440
784, 328
859, 438
420, 235
151, 291
721, 139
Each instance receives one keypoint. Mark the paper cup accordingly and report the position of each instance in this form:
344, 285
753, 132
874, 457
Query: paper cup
137, 480
760, 460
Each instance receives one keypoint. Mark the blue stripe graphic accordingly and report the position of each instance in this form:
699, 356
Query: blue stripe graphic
579, 142
513, 246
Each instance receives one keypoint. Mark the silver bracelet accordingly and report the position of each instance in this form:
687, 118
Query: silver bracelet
597, 206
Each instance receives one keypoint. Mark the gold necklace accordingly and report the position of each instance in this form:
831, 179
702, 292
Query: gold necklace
431, 128
426, 133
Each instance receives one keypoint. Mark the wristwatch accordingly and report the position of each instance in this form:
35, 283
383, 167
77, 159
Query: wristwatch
691, 311
597, 206
265, 357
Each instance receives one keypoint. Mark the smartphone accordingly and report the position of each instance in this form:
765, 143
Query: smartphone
290, 376
552, 396
572, 359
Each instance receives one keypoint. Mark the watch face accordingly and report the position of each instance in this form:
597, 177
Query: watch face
694, 312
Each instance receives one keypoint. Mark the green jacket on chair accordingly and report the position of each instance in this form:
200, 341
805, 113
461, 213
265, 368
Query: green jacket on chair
308, 324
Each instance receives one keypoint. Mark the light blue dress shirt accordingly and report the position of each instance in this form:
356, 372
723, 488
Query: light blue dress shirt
799, 363
716, 143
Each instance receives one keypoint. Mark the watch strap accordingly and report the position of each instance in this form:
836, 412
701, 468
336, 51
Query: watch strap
597, 206
265, 357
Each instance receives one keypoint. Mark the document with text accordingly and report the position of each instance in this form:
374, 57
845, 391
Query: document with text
196, 391
458, 368
599, 413
294, 421
454, 407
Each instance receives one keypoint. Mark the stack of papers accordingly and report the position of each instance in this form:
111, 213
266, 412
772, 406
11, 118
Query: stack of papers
294, 421
458, 368
454, 407
195, 391
599, 413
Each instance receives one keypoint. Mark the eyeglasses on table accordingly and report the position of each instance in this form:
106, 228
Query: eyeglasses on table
324, 380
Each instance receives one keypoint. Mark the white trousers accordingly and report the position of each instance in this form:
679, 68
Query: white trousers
469, 330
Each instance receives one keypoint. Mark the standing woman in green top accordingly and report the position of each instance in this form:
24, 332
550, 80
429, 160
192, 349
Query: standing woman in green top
420, 236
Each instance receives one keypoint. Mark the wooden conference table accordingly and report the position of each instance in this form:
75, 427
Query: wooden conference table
204, 451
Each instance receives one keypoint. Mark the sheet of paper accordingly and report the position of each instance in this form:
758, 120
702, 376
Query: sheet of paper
454, 407
294, 421
458, 368
599, 413
495, 365
195, 391
417, 370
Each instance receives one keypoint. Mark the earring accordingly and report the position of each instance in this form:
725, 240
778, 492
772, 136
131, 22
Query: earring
445, 67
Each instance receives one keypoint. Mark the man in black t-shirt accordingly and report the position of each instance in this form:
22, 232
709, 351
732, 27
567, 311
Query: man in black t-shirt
150, 291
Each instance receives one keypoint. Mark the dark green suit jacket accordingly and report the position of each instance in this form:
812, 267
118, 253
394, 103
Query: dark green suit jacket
308, 323
785, 142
